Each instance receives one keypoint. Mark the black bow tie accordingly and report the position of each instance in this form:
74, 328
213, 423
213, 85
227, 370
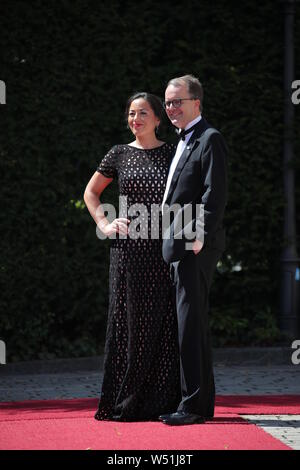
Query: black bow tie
182, 133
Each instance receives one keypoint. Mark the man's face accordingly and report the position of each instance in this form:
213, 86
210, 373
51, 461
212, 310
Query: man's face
188, 109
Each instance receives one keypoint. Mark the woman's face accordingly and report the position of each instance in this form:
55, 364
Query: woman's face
141, 118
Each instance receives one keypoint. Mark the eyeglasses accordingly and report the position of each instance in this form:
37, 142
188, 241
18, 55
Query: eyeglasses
177, 102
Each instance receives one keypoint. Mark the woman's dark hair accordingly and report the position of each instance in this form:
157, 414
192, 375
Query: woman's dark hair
155, 103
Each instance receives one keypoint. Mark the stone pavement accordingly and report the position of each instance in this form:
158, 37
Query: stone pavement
246, 371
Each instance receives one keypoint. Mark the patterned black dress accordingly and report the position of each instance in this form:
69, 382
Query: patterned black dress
141, 361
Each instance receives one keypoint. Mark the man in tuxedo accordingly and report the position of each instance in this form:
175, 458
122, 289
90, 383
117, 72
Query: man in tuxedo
197, 187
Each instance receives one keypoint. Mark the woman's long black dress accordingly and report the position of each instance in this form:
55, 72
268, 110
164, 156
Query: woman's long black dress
141, 361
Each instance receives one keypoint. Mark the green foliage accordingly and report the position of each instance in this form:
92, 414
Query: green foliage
69, 67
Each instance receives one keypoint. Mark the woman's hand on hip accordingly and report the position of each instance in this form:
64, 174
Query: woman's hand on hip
119, 225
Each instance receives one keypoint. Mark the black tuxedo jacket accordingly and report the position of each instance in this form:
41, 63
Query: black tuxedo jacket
199, 180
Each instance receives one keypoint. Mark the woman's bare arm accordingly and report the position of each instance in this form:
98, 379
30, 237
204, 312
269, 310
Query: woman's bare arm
92, 193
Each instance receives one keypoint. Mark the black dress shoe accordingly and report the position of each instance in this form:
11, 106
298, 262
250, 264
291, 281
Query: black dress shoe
162, 417
181, 417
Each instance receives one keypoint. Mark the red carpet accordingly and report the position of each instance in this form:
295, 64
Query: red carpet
69, 424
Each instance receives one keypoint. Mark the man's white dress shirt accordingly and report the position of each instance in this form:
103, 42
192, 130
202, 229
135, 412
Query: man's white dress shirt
179, 151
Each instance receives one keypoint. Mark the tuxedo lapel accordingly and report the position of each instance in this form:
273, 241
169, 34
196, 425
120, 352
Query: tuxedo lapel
203, 125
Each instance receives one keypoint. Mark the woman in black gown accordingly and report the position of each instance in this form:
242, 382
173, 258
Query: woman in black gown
141, 361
